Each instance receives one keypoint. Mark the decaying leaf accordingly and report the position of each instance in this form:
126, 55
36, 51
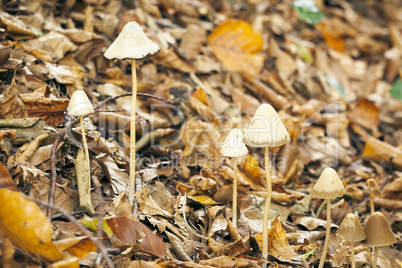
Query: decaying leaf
125, 232
27, 227
6, 181
236, 45
11, 104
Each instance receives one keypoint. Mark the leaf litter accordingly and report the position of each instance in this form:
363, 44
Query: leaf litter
331, 70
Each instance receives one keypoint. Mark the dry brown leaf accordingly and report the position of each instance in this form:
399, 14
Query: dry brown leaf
76, 246
247, 103
6, 181
237, 46
50, 110
125, 232
169, 59
11, 104
16, 29
227, 262
192, 40
390, 204
27, 227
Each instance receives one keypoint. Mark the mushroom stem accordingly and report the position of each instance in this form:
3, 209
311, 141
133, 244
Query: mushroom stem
234, 201
267, 205
131, 189
371, 204
327, 234
375, 257
84, 141
352, 251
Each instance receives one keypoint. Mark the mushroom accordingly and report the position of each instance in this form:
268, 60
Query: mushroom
328, 187
266, 130
352, 231
80, 105
132, 44
374, 191
378, 233
233, 146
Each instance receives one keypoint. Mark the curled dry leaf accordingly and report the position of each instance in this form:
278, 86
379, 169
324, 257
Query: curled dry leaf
237, 45
11, 104
27, 227
125, 231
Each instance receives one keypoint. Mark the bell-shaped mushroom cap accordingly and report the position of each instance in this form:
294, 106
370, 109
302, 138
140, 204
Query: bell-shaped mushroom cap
79, 104
373, 188
350, 229
328, 185
266, 129
378, 231
233, 145
132, 43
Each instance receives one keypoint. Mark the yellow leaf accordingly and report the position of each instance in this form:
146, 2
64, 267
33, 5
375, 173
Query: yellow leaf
203, 199
27, 227
379, 150
278, 243
236, 45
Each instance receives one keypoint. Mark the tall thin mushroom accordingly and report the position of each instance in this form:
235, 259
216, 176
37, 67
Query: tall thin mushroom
266, 130
352, 231
80, 105
233, 146
328, 187
133, 44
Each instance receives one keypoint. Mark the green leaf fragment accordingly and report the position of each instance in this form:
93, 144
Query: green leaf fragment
308, 11
396, 90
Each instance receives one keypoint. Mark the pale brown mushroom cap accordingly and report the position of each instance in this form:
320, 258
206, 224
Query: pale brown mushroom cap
378, 231
373, 188
132, 43
79, 104
233, 145
328, 186
351, 229
266, 129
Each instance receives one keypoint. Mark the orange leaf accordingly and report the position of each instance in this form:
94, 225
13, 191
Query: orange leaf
236, 45
365, 113
251, 169
379, 150
27, 226
125, 231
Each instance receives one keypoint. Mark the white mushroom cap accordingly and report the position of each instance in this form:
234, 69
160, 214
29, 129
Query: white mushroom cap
132, 43
79, 104
266, 129
328, 185
351, 229
233, 145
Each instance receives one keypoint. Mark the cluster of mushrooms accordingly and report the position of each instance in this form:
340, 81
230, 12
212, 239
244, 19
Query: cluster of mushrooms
265, 130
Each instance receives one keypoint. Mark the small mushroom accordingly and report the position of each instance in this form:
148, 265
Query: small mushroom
374, 191
80, 105
132, 43
379, 233
352, 231
328, 187
233, 146
266, 130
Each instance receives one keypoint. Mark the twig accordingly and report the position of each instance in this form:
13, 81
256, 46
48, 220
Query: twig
65, 213
61, 136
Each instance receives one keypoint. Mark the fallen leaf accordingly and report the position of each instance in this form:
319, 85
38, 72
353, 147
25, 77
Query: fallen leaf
236, 45
27, 226
379, 150
169, 59
365, 113
6, 181
124, 231
203, 199
77, 246
11, 104
228, 262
